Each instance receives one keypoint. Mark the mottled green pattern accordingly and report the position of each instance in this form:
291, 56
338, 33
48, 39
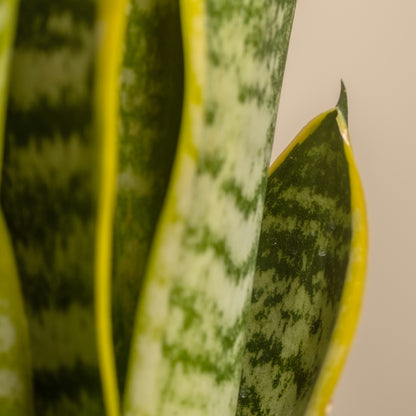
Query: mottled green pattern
190, 339
48, 195
15, 366
151, 106
301, 266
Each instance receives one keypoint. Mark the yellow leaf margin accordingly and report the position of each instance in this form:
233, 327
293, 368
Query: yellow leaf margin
111, 30
352, 296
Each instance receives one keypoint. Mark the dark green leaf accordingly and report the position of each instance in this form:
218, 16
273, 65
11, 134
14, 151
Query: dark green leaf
306, 254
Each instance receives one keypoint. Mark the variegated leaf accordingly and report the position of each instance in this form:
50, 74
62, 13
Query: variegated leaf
55, 147
150, 111
189, 333
309, 273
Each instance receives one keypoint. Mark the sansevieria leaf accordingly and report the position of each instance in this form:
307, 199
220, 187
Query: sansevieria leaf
60, 142
49, 198
150, 93
15, 368
309, 274
134, 215
188, 340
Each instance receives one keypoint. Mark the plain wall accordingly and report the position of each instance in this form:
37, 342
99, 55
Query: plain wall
371, 45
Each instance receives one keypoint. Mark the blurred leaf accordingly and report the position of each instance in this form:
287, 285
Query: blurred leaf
15, 365
150, 112
51, 178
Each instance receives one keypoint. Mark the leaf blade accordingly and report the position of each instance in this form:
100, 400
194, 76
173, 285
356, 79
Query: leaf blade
190, 328
49, 198
151, 92
283, 357
352, 297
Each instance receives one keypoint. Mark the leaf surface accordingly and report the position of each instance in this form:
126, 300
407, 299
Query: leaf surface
150, 111
15, 366
309, 274
51, 185
189, 332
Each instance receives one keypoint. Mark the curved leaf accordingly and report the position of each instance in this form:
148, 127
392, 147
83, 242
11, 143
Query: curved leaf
309, 274
189, 334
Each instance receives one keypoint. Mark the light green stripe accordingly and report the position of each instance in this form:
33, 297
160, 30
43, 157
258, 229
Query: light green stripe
233, 54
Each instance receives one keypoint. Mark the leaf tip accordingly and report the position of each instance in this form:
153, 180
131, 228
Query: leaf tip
342, 103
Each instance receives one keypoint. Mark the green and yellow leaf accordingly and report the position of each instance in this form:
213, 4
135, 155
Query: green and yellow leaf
189, 333
60, 124
150, 112
309, 274
350, 304
136, 150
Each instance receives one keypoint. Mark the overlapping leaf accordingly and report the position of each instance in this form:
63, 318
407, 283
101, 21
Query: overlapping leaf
150, 111
189, 334
309, 274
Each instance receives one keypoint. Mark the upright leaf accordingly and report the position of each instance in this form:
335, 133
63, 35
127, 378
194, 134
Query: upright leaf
151, 106
15, 369
189, 331
353, 290
309, 272
51, 178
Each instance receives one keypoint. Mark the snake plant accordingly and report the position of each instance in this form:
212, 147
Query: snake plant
150, 262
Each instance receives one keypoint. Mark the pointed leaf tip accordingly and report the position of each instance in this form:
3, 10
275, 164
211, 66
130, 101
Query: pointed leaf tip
342, 103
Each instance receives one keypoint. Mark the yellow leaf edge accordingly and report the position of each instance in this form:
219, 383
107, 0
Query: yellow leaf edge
110, 38
300, 138
350, 306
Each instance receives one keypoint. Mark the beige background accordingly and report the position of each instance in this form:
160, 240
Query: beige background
371, 44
